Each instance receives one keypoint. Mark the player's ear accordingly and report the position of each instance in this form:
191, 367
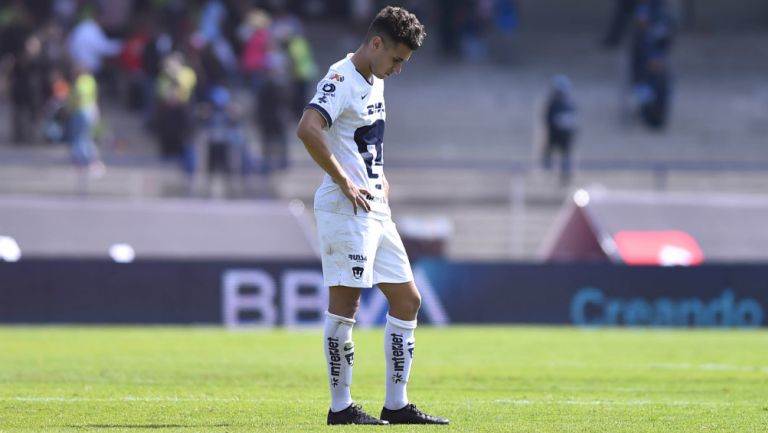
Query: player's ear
377, 42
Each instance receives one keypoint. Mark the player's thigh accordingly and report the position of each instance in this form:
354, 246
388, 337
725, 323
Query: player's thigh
347, 249
392, 264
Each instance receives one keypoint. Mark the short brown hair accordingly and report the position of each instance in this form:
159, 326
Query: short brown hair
399, 25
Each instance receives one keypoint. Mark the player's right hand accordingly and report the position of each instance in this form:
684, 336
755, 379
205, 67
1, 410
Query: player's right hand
358, 196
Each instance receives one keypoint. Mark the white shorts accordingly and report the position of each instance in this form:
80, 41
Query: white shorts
361, 252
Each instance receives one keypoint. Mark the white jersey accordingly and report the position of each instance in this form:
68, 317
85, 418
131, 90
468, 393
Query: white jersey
354, 113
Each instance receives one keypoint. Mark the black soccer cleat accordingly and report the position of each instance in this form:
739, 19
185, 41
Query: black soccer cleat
354, 414
410, 415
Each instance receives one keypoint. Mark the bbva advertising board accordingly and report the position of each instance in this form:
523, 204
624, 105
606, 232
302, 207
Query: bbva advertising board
246, 294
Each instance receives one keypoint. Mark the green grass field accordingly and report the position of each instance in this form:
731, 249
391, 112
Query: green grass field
485, 379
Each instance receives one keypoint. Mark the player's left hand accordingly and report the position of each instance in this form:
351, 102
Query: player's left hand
357, 195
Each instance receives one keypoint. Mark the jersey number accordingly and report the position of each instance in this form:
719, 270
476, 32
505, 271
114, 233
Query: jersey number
369, 140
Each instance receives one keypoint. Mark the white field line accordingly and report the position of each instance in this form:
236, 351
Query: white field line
132, 398
525, 402
710, 367
670, 366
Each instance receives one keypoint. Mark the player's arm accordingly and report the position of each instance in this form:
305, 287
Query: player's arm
310, 132
385, 183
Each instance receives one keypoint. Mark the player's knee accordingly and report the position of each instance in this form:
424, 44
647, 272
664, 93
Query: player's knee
411, 304
350, 306
345, 307
416, 302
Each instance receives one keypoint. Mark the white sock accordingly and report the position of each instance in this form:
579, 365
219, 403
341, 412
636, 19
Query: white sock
398, 351
339, 356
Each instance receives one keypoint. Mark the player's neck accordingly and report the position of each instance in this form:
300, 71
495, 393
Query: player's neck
362, 64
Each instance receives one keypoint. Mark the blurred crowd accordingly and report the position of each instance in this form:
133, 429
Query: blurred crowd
477, 30
203, 74
651, 25
178, 64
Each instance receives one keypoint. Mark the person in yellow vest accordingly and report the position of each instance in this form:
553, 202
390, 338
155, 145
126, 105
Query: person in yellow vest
177, 80
304, 70
175, 87
84, 116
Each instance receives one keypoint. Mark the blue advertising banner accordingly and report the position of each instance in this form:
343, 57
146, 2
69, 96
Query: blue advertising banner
599, 295
236, 293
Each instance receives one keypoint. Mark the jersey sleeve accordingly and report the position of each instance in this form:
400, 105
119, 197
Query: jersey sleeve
330, 97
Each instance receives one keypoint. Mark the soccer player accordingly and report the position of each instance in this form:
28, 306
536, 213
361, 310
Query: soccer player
343, 130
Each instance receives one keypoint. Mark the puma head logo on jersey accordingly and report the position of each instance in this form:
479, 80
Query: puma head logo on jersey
357, 272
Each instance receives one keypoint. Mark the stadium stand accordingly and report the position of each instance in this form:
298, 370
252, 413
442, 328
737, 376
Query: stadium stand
464, 147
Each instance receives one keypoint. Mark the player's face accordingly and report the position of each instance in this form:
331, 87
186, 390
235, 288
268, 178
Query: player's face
388, 58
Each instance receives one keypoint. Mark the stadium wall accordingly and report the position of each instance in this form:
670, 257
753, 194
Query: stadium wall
248, 294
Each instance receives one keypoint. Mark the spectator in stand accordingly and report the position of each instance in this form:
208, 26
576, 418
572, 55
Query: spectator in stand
16, 26
655, 91
504, 25
131, 64
561, 124
623, 13
653, 31
54, 46
27, 83
212, 71
56, 114
272, 117
65, 12
88, 45
255, 33
158, 47
174, 17
475, 18
56, 71
225, 138
284, 23
84, 116
303, 71
507, 17
175, 87
212, 39
212, 16
115, 16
